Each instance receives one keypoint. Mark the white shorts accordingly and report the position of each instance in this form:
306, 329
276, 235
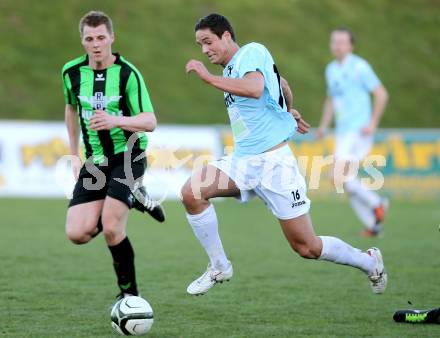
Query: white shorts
273, 176
353, 146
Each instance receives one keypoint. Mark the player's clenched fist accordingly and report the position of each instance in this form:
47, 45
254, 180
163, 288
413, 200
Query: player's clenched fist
302, 126
199, 68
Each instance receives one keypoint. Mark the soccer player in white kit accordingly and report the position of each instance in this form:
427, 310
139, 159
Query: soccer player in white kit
350, 81
262, 163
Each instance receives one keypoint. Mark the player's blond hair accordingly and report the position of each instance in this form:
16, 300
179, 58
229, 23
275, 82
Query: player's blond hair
95, 19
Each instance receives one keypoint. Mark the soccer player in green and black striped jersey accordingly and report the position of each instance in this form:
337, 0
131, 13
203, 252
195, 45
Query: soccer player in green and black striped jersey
107, 100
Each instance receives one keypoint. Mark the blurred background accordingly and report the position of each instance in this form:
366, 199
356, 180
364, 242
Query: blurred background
400, 42
65, 290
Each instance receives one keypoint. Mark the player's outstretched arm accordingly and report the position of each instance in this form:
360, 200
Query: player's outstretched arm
251, 85
101, 120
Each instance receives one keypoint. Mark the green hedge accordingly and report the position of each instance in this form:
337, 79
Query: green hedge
399, 38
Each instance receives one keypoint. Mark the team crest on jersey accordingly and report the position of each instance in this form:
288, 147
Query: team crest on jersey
99, 100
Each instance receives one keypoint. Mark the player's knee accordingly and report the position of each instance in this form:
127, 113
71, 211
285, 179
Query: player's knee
113, 230
113, 237
112, 234
109, 234
187, 195
76, 236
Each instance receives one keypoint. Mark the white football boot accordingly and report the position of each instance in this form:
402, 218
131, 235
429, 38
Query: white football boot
209, 278
379, 277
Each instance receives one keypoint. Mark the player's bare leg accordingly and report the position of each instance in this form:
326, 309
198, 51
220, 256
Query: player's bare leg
207, 183
114, 219
301, 237
82, 220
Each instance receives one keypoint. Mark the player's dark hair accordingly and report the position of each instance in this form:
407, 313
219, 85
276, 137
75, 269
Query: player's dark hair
217, 23
95, 19
346, 30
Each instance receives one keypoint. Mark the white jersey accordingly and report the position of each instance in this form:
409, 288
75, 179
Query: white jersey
257, 124
349, 85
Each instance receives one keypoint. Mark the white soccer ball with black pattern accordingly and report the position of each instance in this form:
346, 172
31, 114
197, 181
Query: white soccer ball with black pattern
132, 316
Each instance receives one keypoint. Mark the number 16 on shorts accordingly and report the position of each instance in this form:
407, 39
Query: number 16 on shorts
296, 199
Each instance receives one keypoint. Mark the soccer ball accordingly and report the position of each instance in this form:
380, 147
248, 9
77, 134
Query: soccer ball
132, 316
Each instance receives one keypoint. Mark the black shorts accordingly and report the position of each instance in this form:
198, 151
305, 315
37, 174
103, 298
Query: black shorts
97, 182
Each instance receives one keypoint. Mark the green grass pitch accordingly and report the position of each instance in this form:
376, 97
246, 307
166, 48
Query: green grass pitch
52, 288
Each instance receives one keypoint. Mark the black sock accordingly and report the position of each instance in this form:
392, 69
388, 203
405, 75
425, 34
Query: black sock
99, 227
123, 262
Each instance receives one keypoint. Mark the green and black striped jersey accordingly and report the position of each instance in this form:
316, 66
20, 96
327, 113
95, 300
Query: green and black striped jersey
119, 90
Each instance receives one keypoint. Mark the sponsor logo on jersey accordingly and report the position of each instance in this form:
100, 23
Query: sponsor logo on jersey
229, 69
229, 99
86, 114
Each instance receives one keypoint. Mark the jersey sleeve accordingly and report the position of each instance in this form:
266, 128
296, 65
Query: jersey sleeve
252, 60
369, 79
69, 97
137, 94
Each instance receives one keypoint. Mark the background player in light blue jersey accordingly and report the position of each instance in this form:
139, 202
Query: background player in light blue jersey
259, 106
350, 81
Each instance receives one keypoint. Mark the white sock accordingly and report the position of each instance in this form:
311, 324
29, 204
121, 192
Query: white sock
363, 212
368, 197
205, 228
339, 252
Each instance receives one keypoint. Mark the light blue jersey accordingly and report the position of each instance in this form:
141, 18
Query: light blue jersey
349, 84
257, 124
